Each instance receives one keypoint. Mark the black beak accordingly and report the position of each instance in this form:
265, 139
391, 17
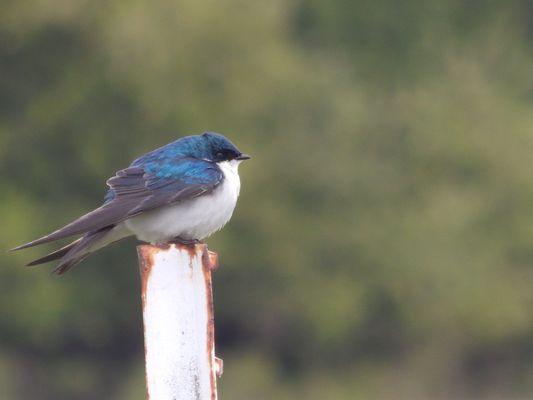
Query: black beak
243, 156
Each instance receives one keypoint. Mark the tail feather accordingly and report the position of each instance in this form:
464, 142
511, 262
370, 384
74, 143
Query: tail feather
81, 250
54, 255
77, 251
65, 266
84, 224
103, 217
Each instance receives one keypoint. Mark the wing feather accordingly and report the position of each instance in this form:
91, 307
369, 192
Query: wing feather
138, 189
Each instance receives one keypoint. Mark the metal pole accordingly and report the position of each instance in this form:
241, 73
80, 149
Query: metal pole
178, 322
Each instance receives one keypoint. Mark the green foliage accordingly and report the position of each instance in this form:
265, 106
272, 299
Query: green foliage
381, 247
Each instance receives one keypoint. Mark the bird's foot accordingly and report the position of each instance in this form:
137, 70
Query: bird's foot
186, 242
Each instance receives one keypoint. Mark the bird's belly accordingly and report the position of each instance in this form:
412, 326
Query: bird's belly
191, 219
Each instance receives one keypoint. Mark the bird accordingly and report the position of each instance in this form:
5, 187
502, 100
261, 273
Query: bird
179, 193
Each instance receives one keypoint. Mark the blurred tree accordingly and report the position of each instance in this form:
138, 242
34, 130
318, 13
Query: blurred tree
384, 226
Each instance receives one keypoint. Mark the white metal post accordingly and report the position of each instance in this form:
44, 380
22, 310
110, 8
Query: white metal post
178, 322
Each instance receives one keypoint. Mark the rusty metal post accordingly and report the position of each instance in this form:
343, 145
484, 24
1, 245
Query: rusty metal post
178, 322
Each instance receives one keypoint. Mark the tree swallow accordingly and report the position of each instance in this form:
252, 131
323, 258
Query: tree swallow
182, 192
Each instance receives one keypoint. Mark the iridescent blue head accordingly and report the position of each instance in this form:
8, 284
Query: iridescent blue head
218, 148
207, 146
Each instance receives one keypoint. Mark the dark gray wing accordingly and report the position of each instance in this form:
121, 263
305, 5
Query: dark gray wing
137, 189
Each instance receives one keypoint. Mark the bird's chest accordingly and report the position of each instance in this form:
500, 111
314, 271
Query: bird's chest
193, 219
213, 211
228, 192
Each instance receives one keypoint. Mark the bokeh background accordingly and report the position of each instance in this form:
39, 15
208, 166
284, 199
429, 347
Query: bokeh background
383, 243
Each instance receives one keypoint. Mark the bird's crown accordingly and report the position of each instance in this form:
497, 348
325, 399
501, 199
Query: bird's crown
209, 146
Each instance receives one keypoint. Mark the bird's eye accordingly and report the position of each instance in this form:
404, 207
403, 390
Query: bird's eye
220, 155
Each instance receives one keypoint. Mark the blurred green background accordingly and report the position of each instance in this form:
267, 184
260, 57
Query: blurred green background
382, 247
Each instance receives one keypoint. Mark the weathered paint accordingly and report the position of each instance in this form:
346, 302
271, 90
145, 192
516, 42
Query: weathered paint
178, 321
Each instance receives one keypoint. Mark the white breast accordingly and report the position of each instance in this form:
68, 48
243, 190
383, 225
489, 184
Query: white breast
192, 219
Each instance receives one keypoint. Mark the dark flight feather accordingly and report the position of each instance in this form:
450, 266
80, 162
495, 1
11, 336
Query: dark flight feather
80, 250
54, 255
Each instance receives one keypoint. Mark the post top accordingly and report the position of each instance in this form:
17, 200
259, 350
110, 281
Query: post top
159, 247
147, 251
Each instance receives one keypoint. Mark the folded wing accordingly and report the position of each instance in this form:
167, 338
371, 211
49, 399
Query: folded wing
141, 188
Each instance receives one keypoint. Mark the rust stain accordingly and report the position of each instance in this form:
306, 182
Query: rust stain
213, 259
209, 259
146, 254
207, 267
192, 249
219, 366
